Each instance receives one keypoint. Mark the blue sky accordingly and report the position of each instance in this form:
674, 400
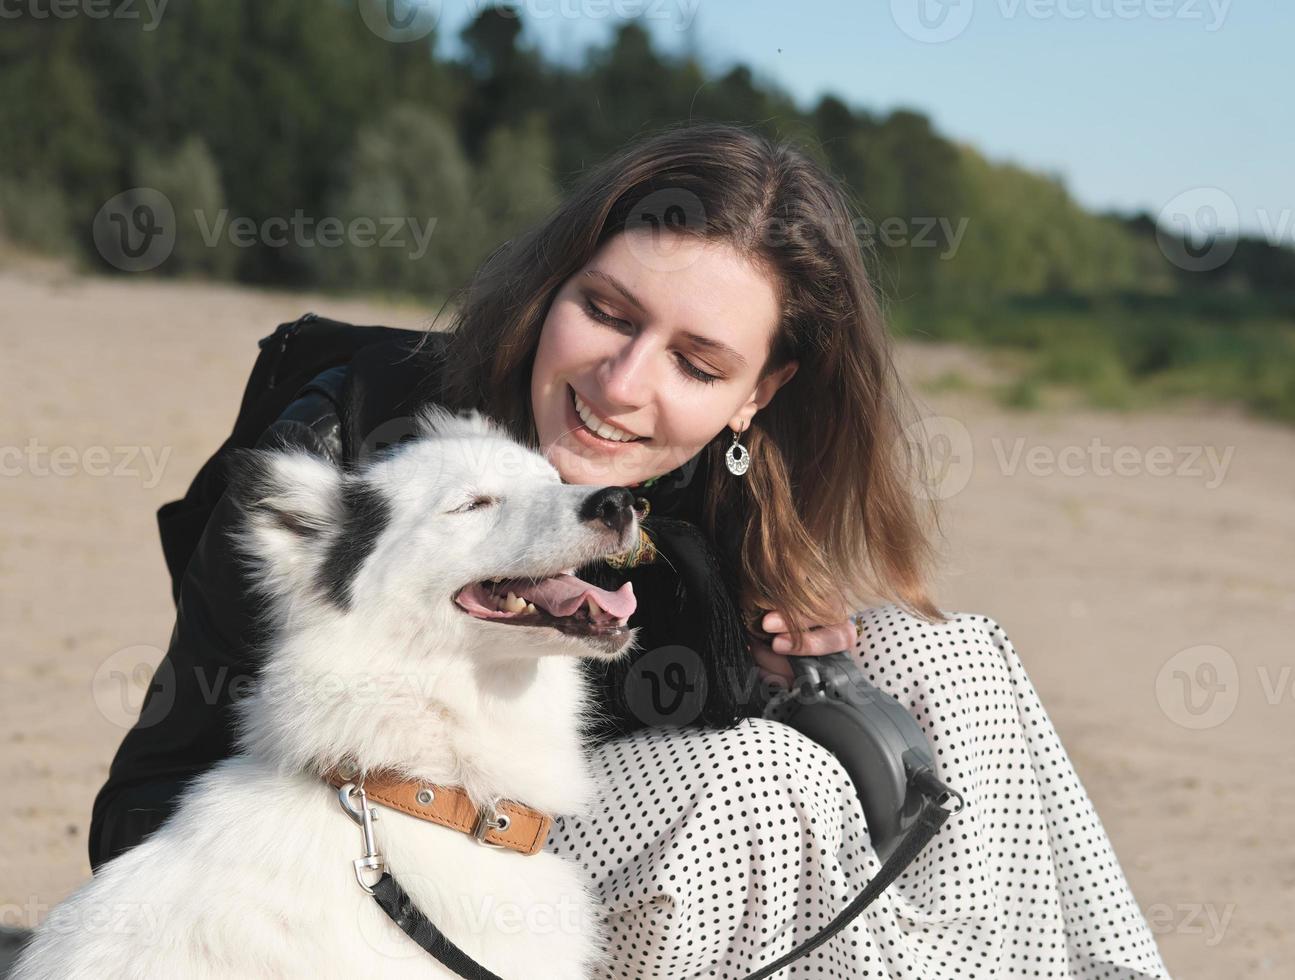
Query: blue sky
1133, 103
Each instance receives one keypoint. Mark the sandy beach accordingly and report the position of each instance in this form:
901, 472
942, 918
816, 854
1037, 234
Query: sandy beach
1140, 564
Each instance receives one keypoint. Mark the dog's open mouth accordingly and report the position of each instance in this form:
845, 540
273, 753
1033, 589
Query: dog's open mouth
563, 602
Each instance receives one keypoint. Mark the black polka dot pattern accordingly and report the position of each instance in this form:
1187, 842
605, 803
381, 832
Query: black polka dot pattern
713, 853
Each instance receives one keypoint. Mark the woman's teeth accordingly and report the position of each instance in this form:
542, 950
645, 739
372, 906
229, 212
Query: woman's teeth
595, 424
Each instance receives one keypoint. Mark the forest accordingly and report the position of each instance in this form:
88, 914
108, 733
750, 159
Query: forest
266, 125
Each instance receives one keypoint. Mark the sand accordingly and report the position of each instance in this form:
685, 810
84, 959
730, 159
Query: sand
1127, 557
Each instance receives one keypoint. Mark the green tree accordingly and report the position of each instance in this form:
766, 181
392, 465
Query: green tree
409, 177
190, 180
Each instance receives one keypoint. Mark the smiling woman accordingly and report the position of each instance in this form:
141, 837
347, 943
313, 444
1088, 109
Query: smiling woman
699, 289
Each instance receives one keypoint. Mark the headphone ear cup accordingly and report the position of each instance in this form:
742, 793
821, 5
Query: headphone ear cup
872, 735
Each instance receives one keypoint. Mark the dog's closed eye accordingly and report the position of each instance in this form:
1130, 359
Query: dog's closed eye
476, 503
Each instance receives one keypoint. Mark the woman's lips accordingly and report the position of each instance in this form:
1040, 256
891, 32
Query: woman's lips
589, 437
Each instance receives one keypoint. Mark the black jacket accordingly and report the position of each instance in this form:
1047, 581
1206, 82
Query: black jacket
186, 721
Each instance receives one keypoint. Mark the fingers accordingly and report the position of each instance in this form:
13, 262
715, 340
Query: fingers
771, 665
818, 640
771, 659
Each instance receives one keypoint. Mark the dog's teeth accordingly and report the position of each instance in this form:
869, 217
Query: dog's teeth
530, 607
514, 603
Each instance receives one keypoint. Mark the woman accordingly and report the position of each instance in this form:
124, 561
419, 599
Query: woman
696, 321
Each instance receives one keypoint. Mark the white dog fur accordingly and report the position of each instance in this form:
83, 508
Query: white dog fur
372, 663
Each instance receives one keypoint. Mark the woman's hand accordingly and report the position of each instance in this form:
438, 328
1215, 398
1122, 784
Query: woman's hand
772, 658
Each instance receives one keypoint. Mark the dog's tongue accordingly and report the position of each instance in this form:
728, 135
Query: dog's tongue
563, 594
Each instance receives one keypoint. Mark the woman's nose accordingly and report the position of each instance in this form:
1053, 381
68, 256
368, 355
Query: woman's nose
626, 376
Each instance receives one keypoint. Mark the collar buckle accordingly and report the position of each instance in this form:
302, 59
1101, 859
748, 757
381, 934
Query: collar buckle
487, 821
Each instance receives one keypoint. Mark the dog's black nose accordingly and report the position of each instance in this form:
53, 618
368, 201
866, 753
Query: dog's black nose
612, 505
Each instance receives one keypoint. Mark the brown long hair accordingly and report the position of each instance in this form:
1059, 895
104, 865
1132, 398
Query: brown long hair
828, 512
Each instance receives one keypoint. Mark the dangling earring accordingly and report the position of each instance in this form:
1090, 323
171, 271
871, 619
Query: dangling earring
737, 459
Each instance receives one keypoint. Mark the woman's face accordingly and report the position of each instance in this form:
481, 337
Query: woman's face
665, 353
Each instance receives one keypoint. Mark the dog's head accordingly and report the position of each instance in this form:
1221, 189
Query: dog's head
460, 532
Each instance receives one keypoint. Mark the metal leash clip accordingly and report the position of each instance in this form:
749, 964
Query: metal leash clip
364, 815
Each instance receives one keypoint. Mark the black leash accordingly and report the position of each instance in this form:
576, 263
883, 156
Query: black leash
404, 913
880, 744
929, 820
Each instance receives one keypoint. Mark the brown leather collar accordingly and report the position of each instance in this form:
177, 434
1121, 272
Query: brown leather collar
523, 829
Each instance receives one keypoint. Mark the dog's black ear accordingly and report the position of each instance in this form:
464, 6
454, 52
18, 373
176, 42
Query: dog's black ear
288, 490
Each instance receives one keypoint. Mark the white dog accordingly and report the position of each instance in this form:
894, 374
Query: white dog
395, 649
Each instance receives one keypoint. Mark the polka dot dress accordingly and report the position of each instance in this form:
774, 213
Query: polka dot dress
715, 852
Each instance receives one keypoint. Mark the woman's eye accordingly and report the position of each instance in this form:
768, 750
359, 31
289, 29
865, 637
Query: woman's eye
689, 369
602, 316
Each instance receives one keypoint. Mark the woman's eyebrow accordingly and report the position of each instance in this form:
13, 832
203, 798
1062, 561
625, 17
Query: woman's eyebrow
708, 342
